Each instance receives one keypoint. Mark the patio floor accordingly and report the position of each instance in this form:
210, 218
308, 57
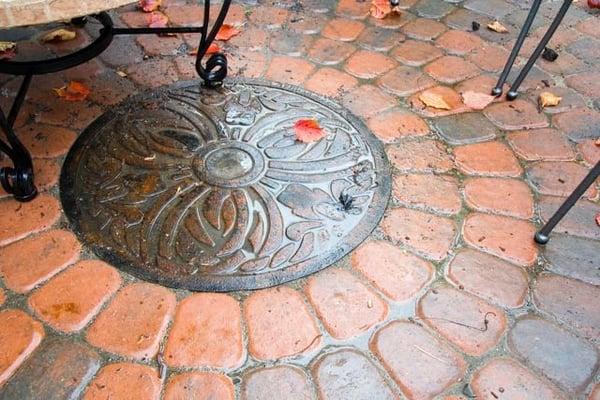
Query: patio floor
449, 298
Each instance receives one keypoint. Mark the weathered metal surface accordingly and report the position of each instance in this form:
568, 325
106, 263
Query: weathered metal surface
207, 189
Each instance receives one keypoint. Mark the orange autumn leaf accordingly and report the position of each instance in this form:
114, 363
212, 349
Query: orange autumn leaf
74, 91
212, 49
382, 8
226, 32
157, 20
476, 100
308, 130
149, 5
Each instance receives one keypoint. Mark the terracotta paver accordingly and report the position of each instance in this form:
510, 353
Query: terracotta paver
421, 364
278, 382
345, 306
571, 302
489, 159
398, 274
19, 220
19, 336
345, 374
420, 156
436, 192
199, 386
71, 299
427, 234
330, 82
475, 326
395, 124
192, 342
506, 378
59, 369
37, 258
558, 354
509, 197
123, 381
134, 322
279, 324
489, 278
404, 314
507, 238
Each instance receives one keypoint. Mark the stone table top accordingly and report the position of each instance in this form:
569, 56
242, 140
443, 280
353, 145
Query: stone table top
31, 12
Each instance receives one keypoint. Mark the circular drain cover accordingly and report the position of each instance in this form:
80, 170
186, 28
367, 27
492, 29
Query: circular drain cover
208, 189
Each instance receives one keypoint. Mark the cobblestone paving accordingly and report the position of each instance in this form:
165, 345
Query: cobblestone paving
449, 299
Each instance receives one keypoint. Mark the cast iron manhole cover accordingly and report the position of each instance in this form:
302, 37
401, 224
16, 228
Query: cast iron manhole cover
208, 189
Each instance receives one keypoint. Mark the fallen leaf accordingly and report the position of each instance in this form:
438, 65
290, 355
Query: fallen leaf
597, 142
149, 5
7, 50
594, 3
74, 91
122, 74
308, 130
496, 26
157, 20
434, 100
598, 219
549, 54
59, 35
548, 99
226, 32
382, 8
212, 49
476, 100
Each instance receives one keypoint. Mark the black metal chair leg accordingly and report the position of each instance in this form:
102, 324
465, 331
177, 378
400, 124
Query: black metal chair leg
543, 235
497, 91
514, 90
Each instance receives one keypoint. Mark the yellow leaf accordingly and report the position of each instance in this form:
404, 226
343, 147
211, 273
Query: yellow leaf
5, 46
434, 100
496, 26
548, 99
59, 35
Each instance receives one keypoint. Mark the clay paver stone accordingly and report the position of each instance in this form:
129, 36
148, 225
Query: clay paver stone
134, 322
420, 156
421, 365
508, 197
19, 337
505, 378
199, 386
207, 332
125, 381
489, 159
567, 360
438, 193
465, 326
559, 178
579, 221
70, 300
347, 374
344, 304
280, 382
574, 257
516, 115
60, 369
28, 262
279, 324
18, 220
489, 277
397, 273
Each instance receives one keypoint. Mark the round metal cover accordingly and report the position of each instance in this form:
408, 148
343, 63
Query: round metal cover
208, 189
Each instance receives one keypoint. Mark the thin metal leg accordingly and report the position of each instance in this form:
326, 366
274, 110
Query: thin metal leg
497, 91
514, 90
543, 235
17, 179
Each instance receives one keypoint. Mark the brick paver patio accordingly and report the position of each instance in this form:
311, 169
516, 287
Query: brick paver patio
449, 298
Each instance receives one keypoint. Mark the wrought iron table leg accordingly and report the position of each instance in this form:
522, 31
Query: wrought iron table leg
17, 179
543, 235
514, 90
497, 91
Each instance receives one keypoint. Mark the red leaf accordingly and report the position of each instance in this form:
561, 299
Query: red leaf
74, 91
157, 20
308, 130
149, 5
594, 3
598, 219
212, 49
226, 32
7, 50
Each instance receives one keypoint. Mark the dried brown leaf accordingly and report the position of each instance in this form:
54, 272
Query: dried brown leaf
59, 35
434, 100
548, 99
476, 100
496, 26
